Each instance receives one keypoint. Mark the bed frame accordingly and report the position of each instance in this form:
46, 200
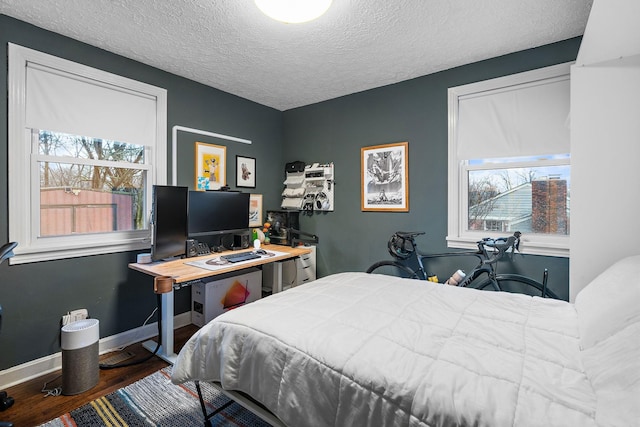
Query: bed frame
240, 398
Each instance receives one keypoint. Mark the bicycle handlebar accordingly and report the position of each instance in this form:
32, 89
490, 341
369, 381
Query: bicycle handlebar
6, 251
501, 246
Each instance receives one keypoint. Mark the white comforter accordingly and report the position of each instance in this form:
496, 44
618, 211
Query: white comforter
355, 349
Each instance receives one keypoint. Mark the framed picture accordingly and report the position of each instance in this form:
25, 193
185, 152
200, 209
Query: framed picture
245, 172
210, 166
255, 210
384, 173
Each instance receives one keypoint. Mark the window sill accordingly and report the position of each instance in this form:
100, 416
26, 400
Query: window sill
26, 256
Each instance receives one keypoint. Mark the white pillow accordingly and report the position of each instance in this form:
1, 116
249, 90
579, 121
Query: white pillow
610, 303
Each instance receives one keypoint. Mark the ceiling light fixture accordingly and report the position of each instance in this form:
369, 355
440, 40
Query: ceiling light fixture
293, 11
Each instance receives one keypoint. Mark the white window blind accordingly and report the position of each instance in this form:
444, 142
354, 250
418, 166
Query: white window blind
515, 121
65, 102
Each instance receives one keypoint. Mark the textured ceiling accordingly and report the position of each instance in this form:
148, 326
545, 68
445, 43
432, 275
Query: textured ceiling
357, 45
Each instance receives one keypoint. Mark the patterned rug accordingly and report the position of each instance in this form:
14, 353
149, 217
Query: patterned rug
155, 401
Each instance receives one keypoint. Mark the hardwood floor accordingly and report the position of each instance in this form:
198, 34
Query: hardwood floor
32, 408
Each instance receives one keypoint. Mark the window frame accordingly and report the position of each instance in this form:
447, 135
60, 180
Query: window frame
23, 158
458, 235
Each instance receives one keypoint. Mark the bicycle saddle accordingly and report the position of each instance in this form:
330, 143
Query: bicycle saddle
409, 234
401, 244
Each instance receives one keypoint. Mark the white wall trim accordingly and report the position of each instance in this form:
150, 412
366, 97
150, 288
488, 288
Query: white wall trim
174, 145
38, 367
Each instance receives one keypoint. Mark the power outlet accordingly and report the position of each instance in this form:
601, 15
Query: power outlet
75, 315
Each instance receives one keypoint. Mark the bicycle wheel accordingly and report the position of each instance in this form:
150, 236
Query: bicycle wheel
392, 268
517, 284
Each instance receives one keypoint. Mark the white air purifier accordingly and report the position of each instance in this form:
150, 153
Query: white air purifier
80, 364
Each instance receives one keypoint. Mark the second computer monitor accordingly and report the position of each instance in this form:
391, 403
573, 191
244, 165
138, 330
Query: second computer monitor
213, 213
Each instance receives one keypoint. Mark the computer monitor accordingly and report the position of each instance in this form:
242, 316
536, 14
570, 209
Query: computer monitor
169, 221
214, 213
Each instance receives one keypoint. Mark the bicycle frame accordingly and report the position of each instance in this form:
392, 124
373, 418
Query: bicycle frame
489, 252
421, 257
485, 267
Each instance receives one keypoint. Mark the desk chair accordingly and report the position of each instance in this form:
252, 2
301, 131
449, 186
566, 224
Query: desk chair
6, 252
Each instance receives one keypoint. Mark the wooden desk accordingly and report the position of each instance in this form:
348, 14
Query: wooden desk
182, 273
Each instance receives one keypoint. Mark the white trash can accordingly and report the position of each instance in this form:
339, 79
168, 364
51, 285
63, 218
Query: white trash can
80, 365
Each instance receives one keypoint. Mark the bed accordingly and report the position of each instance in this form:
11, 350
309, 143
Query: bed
357, 349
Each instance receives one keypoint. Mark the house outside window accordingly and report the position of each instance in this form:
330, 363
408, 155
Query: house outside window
85, 148
509, 160
488, 224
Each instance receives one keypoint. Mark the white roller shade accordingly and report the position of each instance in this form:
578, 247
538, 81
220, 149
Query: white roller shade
522, 120
80, 106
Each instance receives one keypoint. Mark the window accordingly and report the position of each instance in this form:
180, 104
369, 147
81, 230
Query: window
509, 160
79, 194
85, 148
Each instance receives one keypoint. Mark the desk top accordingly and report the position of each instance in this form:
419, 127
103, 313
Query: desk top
183, 272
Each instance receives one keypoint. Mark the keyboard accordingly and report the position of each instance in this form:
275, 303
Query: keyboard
242, 256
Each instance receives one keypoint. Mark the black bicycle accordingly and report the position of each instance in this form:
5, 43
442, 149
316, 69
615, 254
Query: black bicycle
484, 276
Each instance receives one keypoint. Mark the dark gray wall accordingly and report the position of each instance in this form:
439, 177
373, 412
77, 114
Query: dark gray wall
413, 111
35, 296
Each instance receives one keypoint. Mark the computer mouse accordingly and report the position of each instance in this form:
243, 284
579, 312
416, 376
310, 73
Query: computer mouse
261, 252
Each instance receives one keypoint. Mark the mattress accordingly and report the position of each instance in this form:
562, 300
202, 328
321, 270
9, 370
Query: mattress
356, 349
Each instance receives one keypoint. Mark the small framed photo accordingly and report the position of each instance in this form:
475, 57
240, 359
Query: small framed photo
384, 172
245, 172
255, 210
210, 166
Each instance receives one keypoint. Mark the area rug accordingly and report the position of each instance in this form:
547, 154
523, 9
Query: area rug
155, 401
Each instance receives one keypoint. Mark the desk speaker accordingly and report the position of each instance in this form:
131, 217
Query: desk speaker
240, 241
191, 248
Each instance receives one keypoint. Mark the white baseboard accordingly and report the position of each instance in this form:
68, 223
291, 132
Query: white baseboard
35, 368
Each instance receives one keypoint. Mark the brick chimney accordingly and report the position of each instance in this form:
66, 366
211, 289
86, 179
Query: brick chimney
549, 206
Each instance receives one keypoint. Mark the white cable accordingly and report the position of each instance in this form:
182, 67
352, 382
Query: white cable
143, 324
150, 316
57, 391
